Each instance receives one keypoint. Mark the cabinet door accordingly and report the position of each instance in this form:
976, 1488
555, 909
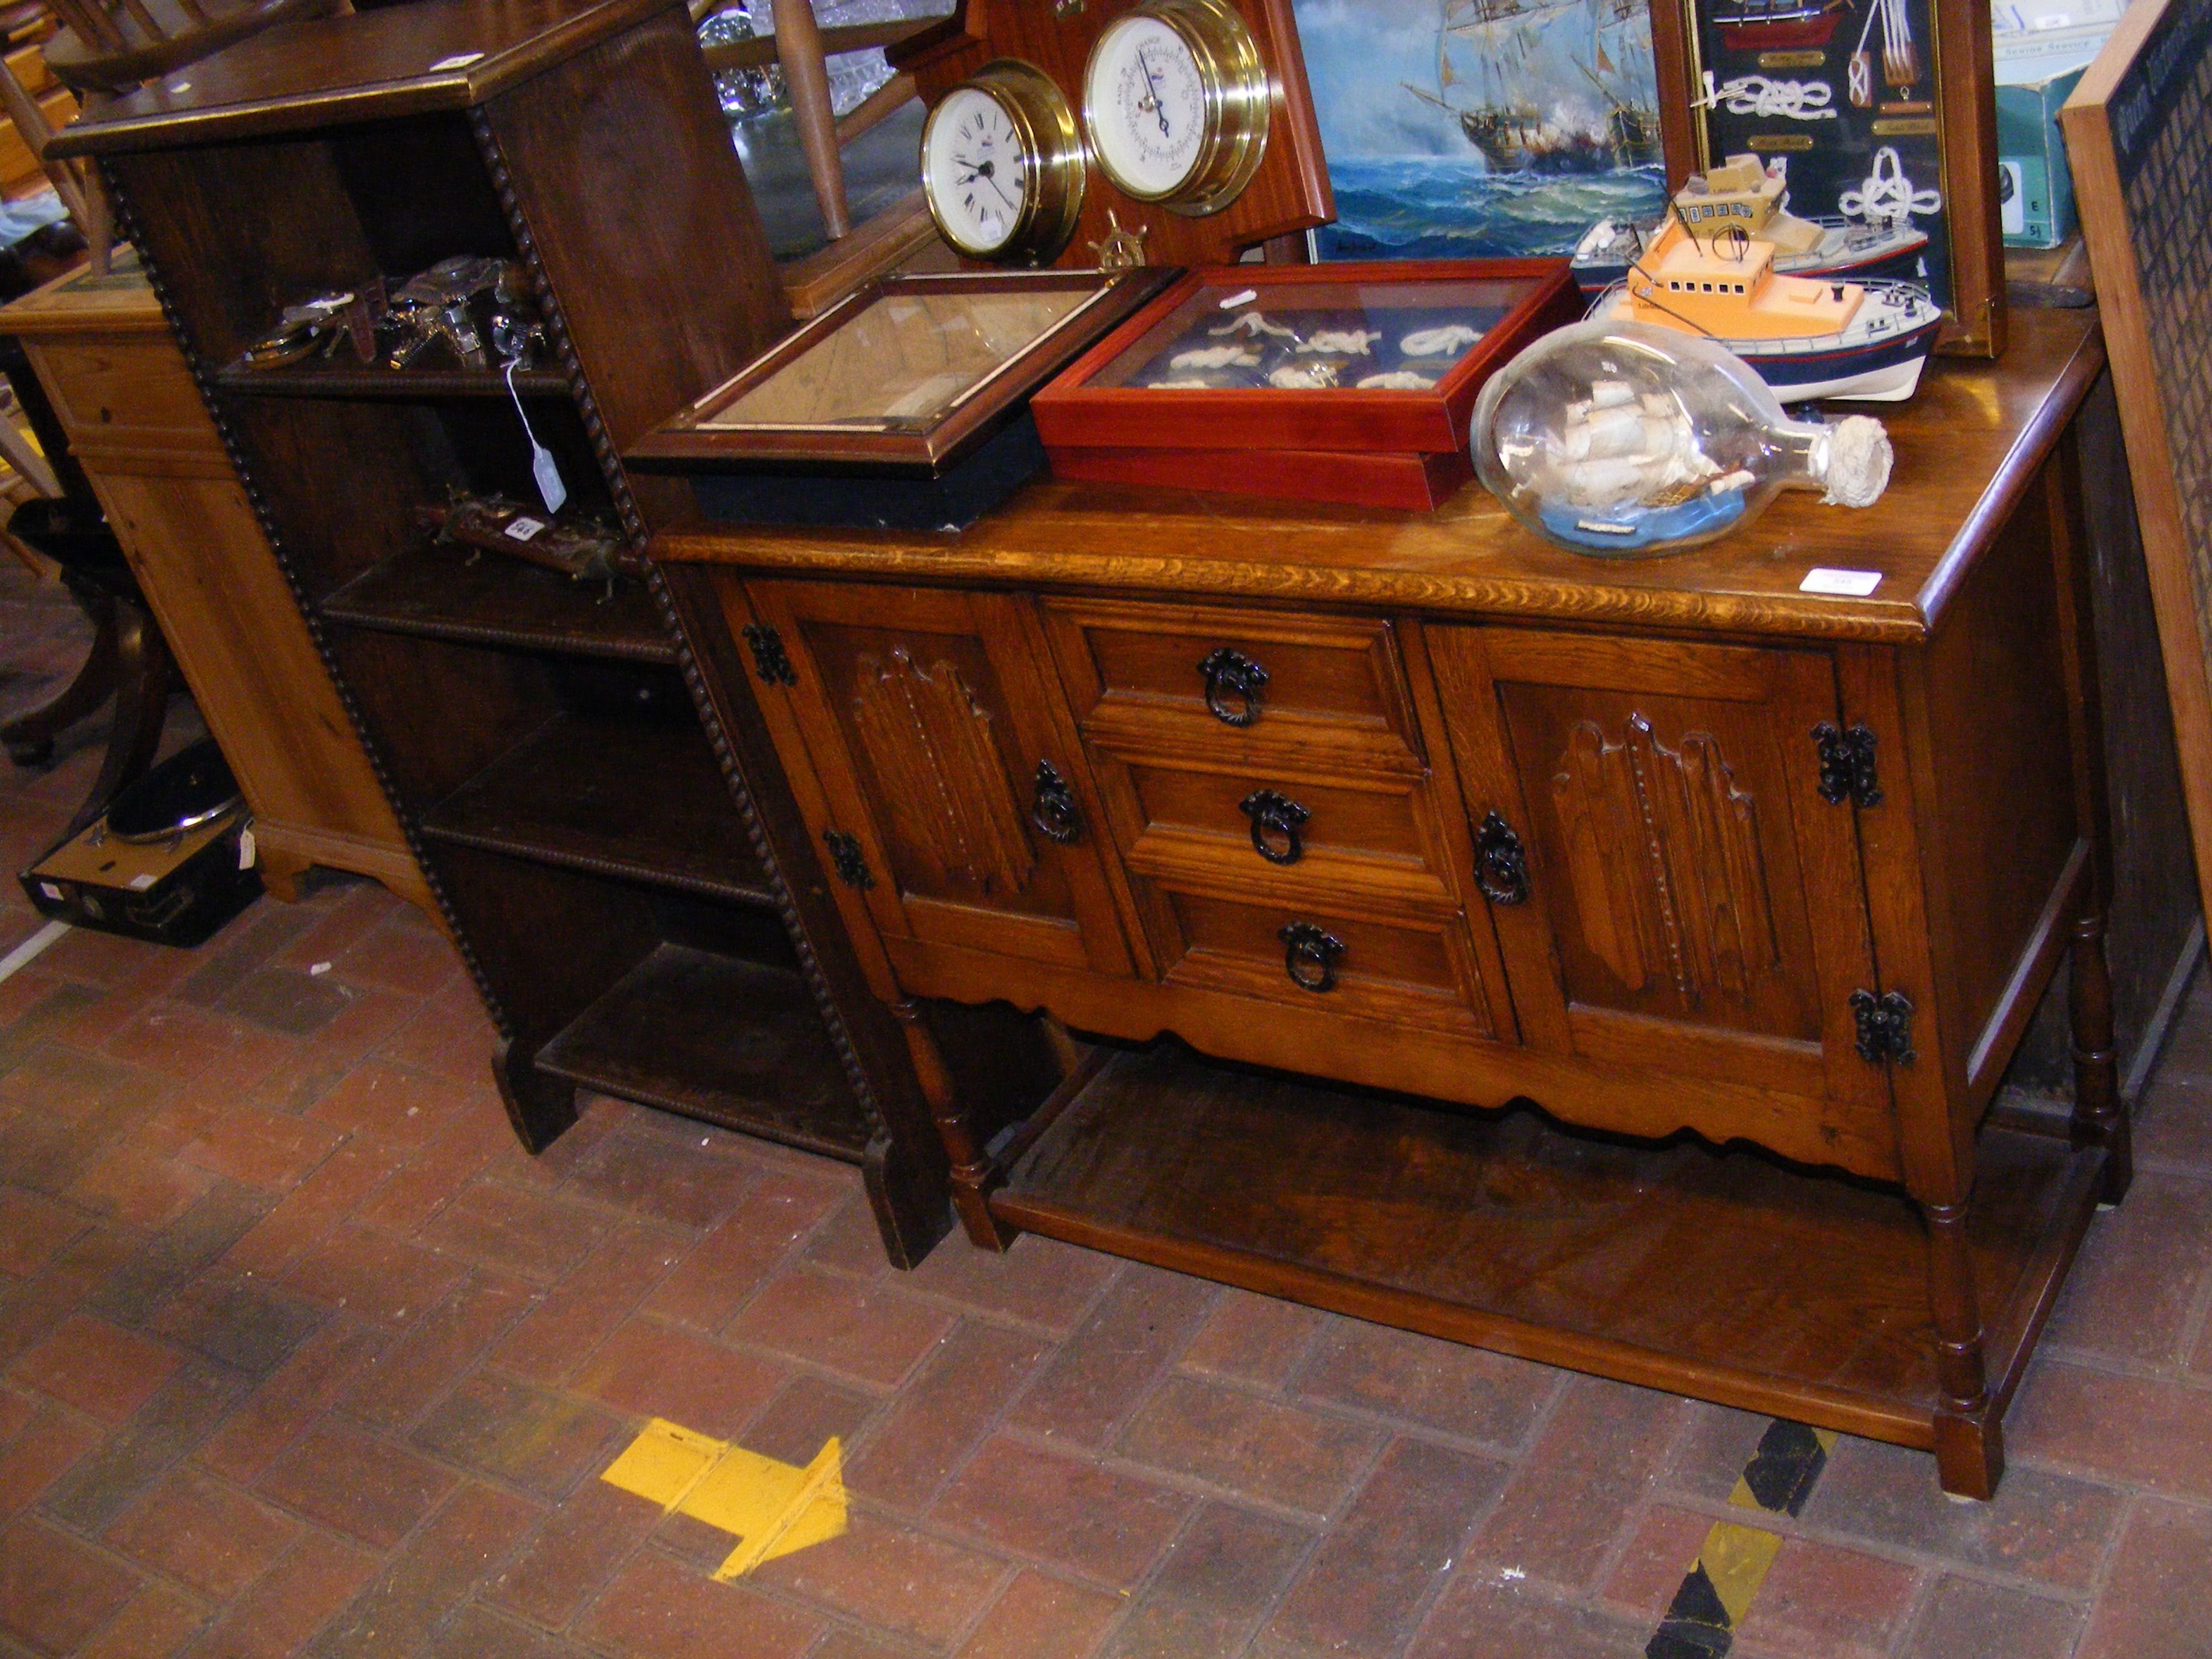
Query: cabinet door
1691, 902
928, 724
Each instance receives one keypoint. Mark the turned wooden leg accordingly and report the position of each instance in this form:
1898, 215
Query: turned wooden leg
539, 1107
1969, 1442
146, 675
974, 1174
2100, 1117
30, 738
806, 79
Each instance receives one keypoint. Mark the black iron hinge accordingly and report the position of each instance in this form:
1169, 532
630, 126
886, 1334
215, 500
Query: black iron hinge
846, 859
1885, 1023
1847, 770
768, 657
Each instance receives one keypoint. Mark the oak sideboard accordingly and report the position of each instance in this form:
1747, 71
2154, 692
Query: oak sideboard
1607, 961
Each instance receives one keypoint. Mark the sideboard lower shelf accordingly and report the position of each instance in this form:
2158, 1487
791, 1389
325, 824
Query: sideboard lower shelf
1727, 1274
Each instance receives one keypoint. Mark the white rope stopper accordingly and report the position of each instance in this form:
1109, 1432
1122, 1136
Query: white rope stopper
1854, 463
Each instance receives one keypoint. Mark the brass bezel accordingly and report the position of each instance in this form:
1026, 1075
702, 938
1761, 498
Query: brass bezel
1059, 168
1239, 93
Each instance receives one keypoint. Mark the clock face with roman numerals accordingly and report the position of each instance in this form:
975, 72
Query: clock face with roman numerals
979, 172
1002, 162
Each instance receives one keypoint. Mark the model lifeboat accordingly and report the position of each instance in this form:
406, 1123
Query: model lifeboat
1754, 196
1805, 336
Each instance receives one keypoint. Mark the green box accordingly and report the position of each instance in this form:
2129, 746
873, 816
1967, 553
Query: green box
2036, 68
2035, 191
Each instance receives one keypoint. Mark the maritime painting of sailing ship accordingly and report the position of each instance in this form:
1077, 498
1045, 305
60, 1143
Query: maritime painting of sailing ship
1469, 129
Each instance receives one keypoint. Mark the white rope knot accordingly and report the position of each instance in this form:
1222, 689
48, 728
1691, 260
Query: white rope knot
1855, 469
1887, 196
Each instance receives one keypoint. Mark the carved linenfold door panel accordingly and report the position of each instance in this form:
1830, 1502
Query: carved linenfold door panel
1693, 901
921, 721
930, 747
1662, 851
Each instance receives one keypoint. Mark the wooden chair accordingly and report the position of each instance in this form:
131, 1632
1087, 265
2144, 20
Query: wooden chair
109, 46
105, 47
129, 661
803, 48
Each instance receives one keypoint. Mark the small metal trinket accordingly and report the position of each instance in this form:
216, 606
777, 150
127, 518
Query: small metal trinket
581, 550
319, 322
472, 308
1119, 249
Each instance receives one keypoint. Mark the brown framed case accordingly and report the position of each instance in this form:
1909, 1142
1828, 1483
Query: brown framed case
1959, 116
908, 375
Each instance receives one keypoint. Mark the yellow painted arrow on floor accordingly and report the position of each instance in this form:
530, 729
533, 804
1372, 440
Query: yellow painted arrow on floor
773, 1507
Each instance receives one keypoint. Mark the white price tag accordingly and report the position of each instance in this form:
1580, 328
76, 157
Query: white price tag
458, 61
550, 489
523, 529
1846, 584
246, 850
141, 882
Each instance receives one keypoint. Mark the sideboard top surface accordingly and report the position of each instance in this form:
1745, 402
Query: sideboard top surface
366, 66
1968, 447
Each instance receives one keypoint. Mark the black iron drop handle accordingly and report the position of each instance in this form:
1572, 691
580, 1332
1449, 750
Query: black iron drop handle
1231, 674
1055, 813
1501, 865
1276, 821
1309, 955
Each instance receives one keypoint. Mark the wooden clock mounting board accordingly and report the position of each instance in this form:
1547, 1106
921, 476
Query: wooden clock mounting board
1289, 193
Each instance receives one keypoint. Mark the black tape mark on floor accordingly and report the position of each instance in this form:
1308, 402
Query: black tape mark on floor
1716, 1592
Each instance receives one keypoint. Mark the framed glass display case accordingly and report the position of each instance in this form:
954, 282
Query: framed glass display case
1363, 373
907, 375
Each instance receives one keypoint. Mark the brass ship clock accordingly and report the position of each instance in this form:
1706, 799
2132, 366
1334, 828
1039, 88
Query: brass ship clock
1002, 165
1174, 100
1116, 132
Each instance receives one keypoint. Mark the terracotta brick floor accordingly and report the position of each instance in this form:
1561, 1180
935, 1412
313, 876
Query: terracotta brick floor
299, 1354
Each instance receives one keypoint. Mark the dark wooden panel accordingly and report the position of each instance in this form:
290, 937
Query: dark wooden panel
487, 702
344, 377
447, 593
1999, 794
340, 481
642, 800
2154, 919
551, 942
257, 227
370, 66
734, 1043
1724, 1274
926, 715
621, 166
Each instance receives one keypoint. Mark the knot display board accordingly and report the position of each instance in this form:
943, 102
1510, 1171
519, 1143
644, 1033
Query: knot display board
1290, 192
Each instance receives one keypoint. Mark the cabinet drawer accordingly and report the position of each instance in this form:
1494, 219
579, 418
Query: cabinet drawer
1238, 683
112, 392
1404, 970
1376, 836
